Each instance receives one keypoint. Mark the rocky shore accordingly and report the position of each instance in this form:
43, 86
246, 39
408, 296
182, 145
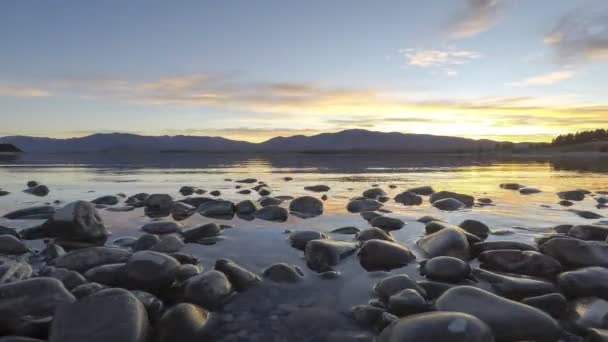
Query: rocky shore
68, 279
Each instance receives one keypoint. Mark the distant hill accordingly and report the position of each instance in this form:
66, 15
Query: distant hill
354, 140
9, 148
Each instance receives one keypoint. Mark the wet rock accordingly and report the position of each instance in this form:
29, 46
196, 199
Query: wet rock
185, 259
283, 273
380, 255
585, 282
215, 193
240, 278
109, 275
509, 320
217, 209
181, 211
374, 193
485, 200
437, 327
572, 195
185, 272
81, 260
511, 186
12, 271
387, 223
247, 181
323, 255
150, 271
9, 231
244, 191
480, 247
366, 316
266, 201
246, 207
32, 183
408, 198
137, 200
186, 190
40, 212
467, 200
529, 191
346, 230
108, 315
394, 284
317, 188
577, 253
106, 200
446, 242
209, 290
445, 268
299, 239
422, 190
169, 243
70, 279
11, 245
514, 287
158, 205
204, 231
520, 262
87, 289
587, 214
26, 300
146, 241
586, 313
154, 306
597, 335
565, 203
369, 215
360, 205
552, 303
124, 242
475, 227
374, 233
183, 322
38, 190
588, 232
196, 201
407, 302
306, 206
449, 204
272, 213
427, 219
162, 227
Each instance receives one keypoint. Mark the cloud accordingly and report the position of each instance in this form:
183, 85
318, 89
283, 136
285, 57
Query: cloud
580, 35
441, 58
19, 91
477, 16
544, 79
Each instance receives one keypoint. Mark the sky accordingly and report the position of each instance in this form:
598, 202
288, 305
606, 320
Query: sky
518, 70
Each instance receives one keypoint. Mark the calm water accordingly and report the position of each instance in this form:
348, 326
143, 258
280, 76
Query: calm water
257, 244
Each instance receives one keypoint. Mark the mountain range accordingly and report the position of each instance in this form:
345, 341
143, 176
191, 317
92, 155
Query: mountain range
353, 140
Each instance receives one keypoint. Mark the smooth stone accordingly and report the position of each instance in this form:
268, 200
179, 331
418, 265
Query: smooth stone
81, 260
408, 198
11, 245
183, 322
446, 242
38, 190
185, 259
387, 223
306, 206
87, 289
480, 247
585, 282
485, 200
244, 191
422, 190
299, 239
588, 232
407, 302
587, 214
111, 275
169, 243
137, 200
186, 190
449, 204
70, 279
146, 241
360, 205
317, 188
124, 242
201, 232
514, 287
594, 335
511, 186
380, 255
437, 327
240, 278
445, 268
552, 303
39, 212
283, 273
158, 205
150, 271
529, 191
272, 213
520, 262
434, 289
427, 219
154, 306
374, 234
577, 253
565, 203
323, 255
373, 193
266, 201
509, 320
369, 215
181, 211
572, 195
245, 207
467, 200
185, 272
162, 227
210, 289
9, 231
52, 251
346, 231
107, 200
475, 227
196, 201
366, 316
108, 315
246, 181
587, 313
76, 221
392, 285
13, 271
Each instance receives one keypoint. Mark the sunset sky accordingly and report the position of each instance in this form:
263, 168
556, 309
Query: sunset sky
520, 70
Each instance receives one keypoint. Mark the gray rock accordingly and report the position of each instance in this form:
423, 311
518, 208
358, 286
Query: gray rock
38, 190
408, 198
514, 287
369, 215
169, 243
359, 205
76, 221
437, 327
283, 273
587, 313
476, 228
146, 241
154, 306
407, 302
374, 193
387, 223
529, 191
87, 289
509, 320
588, 232
586, 214
246, 207
184, 322
346, 230
366, 316
240, 278
162, 227
266, 201
186, 190
306, 206
106, 200
40, 212
247, 180
480, 247
150, 271
380, 255
124, 242
185, 272
181, 211
521, 262
137, 200
448, 204
422, 190
112, 275
108, 315
81, 260
374, 233
201, 232
511, 186
11, 245
323, 255
446, 242
597, 335
272, 213
445, 268
9, 231
585, 282
572, 195
317, 188
552, 303
394, 284
299, 239
12, 271
157, 205
70, 279
467, 200
209, 290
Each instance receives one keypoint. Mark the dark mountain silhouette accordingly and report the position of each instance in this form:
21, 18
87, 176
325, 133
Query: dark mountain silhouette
9, 148
355, 140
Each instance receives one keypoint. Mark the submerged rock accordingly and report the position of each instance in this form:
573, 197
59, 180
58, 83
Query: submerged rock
422, 190
162, 227
272, 213
374, 234
408, 198
322, 255
467, 200
391, 285
283, 273
306, 206
572, 195
217, 209
380, 255
480, 247
299, 239
240, 278
317, 188
12, 271
157, 205
38, 190
106, 200
360, 205
449, 204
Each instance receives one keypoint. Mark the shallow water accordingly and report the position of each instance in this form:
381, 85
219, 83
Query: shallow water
257, 244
